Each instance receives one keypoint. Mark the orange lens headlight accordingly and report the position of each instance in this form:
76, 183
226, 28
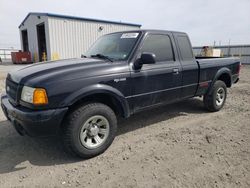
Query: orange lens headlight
40, 97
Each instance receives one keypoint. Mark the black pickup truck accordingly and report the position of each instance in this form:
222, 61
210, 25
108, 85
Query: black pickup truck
121, 74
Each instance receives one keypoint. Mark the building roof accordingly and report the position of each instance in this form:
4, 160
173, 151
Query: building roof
76, 18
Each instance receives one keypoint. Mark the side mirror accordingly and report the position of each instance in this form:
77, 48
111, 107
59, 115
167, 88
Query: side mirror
146, 58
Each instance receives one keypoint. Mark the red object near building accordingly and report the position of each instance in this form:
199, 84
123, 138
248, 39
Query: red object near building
21, 57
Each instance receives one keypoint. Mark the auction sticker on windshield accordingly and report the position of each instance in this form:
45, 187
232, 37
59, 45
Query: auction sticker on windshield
129, 35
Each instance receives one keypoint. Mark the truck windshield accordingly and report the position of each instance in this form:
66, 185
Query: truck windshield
117, 46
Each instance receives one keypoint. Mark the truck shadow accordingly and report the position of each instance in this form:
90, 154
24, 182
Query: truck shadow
163, 113
16, 151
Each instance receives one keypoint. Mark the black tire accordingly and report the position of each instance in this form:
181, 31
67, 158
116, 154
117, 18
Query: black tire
74, 123
210, 99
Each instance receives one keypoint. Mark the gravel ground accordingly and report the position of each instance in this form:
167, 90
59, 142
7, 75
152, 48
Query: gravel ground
179, 145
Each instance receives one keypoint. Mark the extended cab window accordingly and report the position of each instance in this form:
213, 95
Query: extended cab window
160, 45
185, 48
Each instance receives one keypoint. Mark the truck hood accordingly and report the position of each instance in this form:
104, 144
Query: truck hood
46, 72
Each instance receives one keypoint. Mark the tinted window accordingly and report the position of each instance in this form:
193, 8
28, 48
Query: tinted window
185, 48
160, 45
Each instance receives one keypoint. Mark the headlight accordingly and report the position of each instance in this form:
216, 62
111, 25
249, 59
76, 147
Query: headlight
36, 96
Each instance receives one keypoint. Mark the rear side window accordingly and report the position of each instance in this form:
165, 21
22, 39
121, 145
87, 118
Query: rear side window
185, 48
160, 45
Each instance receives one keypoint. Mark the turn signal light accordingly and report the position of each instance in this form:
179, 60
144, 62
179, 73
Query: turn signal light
40, 97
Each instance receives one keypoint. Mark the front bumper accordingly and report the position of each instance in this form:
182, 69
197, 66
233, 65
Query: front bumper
35, 123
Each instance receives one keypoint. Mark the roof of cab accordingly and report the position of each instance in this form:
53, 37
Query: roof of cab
151, 31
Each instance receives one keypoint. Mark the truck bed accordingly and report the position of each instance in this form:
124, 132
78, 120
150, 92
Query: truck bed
205, 62
211, 67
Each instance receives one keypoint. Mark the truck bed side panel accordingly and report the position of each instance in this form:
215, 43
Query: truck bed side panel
211, 68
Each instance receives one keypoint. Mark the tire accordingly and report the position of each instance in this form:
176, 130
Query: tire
217, 97
89, 130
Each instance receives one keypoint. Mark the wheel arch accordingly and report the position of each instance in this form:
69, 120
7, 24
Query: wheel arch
224, 74
99, 93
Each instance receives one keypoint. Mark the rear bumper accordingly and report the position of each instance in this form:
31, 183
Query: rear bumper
35, 123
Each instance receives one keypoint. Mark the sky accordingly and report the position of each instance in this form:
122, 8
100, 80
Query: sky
205, 21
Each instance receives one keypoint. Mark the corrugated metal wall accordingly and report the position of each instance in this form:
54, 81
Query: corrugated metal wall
30, 25
66, 38
71, 38
242, 51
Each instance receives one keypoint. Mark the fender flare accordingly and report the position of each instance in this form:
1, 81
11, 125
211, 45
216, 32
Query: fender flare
98, 89
221, 71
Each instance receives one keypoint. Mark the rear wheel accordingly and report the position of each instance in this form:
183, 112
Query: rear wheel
216, 100
89, 130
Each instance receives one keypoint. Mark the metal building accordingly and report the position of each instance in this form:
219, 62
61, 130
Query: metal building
242, 51
52, 36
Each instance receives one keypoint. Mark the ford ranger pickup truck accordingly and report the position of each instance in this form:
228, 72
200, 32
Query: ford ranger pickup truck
121, 74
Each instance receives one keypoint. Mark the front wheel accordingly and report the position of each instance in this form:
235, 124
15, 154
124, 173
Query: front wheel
89, 130
216, 100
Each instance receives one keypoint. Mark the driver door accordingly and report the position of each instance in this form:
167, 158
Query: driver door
157, 83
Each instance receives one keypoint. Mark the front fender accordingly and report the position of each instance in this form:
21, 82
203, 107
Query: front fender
98, 89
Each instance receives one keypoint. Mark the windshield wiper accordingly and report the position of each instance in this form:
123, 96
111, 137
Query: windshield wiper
102, 57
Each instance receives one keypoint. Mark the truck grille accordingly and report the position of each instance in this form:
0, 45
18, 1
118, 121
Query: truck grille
12, 90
